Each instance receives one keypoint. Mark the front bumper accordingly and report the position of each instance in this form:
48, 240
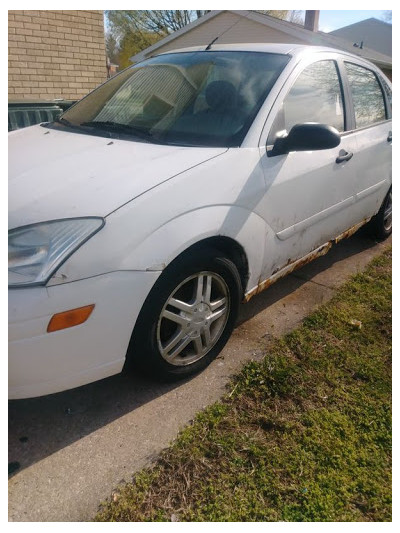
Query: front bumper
43, 363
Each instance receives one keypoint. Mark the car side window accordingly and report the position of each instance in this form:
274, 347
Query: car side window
316, 96
368, 100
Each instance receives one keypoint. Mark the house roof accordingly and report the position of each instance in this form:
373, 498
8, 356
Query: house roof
292, 30
374, 33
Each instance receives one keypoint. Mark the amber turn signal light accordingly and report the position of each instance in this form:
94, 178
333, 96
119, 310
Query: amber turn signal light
68, 319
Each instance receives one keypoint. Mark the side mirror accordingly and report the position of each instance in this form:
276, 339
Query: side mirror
306, 137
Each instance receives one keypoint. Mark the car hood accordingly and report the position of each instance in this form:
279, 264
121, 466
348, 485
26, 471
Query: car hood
61, 174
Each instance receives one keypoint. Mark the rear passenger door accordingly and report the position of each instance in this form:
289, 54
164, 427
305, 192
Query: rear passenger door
372, 125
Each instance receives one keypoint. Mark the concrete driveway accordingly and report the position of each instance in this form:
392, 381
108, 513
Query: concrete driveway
73, 448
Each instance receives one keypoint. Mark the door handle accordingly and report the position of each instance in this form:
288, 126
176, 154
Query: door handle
344, 156
389, 137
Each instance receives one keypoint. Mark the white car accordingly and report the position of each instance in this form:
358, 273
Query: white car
177, 189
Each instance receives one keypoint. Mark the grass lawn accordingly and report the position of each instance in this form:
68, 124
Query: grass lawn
305, 435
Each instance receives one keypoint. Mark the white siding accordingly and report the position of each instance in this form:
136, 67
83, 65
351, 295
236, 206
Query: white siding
235, 29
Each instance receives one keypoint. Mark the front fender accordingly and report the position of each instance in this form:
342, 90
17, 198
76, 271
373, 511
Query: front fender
170, 240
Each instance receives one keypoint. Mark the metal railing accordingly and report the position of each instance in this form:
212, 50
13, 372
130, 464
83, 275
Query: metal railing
27, 113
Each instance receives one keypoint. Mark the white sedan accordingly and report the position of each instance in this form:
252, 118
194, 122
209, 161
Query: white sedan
141, 218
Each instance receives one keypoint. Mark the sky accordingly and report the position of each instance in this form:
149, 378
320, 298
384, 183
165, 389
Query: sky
330, 20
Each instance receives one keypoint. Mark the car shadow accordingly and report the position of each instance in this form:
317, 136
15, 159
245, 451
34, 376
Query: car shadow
39, 427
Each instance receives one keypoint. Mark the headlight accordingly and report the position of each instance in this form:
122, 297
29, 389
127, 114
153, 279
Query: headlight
36, 251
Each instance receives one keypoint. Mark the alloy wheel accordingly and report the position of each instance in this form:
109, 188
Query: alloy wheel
193, 318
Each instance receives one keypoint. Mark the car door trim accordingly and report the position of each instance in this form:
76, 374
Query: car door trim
317, 217
370, 190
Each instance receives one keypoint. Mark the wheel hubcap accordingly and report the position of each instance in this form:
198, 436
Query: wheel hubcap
387, 215
193, 318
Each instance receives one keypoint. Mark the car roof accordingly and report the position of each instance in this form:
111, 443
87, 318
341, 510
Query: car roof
277, 48
292, 49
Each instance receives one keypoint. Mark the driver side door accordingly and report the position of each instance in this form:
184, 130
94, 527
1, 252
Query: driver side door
308, 195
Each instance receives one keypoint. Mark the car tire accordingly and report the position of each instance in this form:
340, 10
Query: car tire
187, 317
380, 226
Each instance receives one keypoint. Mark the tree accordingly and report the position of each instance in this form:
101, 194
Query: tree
159, 21
295, 16
132, 43
112, 48
277, 14
131, 31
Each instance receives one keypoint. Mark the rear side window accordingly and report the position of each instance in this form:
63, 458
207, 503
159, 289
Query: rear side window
368, 100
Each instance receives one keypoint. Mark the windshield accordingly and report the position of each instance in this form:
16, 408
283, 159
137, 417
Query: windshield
191, 98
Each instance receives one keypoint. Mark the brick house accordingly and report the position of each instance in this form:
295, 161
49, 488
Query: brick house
55, 54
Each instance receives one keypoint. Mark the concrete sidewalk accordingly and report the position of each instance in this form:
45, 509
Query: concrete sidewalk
75, 447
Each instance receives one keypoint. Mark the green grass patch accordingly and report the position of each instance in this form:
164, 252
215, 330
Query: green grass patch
304, 435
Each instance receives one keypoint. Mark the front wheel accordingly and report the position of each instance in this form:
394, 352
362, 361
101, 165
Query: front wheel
188, 316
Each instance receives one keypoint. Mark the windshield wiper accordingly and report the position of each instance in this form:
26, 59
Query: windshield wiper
106, 124
63, 120
119, 127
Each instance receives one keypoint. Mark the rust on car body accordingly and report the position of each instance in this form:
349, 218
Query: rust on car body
291, 266
348, 233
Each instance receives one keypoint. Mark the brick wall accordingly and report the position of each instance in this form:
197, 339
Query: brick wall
55, 54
